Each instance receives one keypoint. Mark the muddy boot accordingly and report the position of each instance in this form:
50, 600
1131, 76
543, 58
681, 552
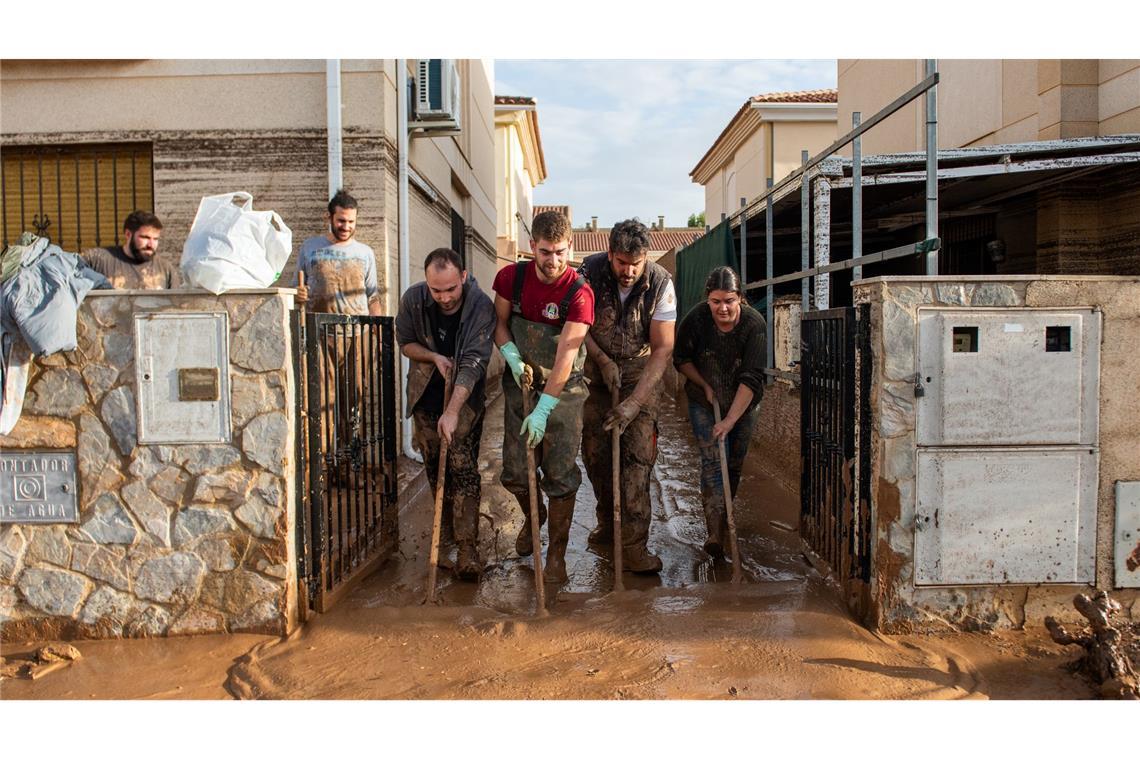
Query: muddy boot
523, 540
467, 564
717, 524
602, 536
466, 522
561, 515
635, 556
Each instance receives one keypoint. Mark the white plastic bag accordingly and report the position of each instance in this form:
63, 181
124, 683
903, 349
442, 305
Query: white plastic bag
232, 246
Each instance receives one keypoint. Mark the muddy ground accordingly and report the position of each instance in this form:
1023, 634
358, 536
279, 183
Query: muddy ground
686, 634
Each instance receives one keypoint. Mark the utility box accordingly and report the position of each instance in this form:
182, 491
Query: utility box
182, 370
1008, 376
1005, 515
1007, 445
1127, 534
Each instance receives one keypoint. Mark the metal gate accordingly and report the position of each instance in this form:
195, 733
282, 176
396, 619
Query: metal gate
834, 515
346, 450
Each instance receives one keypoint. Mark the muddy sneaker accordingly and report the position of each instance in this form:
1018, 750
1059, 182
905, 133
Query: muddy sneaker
467, 564
640, 560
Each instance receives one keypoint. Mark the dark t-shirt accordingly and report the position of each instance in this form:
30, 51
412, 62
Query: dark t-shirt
444, 329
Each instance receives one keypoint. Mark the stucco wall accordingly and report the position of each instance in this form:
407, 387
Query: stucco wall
898, 605
171, 539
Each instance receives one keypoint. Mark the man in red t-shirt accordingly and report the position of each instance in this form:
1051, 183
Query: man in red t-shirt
544, 309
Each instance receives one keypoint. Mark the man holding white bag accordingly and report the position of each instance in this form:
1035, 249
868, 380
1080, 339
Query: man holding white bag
340, 273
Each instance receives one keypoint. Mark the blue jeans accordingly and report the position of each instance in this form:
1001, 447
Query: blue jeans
735, 446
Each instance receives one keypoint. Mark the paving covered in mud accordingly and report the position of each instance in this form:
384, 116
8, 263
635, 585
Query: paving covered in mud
686, 633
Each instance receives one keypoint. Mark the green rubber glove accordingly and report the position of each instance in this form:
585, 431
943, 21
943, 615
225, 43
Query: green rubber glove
534, 426
514, 360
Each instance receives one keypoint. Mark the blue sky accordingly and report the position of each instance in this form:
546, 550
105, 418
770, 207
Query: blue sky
620, 137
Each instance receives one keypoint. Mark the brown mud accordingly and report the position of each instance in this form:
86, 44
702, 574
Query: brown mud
686, 634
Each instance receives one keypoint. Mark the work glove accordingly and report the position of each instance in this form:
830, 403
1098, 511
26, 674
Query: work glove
621, 415
611, 375
514, 360
534, 426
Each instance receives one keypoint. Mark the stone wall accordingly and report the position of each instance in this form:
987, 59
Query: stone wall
897, 605
171, 539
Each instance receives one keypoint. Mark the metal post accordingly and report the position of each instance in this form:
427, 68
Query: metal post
856, 196
805, 233
768, 274
743, 242
822, 234
931, 168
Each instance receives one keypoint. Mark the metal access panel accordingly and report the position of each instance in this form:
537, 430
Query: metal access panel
182, 370
1127, 534
1008, 376
998, 516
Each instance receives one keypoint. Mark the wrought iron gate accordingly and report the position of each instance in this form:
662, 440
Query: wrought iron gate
346, 450
834, 493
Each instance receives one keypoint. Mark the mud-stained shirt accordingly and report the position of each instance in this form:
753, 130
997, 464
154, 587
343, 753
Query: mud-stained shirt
540, 301
127, 274
726, 360
341, 277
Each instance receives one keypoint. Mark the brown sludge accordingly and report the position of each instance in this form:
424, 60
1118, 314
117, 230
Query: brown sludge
685, 634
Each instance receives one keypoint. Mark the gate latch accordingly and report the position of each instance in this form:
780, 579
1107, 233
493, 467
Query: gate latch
919, 390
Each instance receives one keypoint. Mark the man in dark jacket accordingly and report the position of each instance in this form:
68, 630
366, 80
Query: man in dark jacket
445, 326
628, 347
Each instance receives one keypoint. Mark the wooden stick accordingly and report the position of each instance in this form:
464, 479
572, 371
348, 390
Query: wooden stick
437, 519
615, 397
727, 488
532, 483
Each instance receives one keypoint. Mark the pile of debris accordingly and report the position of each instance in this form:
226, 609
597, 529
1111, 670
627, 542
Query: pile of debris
1108, 647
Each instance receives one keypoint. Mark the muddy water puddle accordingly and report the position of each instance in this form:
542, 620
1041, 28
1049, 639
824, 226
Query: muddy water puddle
686, 633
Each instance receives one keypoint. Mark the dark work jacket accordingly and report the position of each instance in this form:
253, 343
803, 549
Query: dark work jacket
622, 330
472, 344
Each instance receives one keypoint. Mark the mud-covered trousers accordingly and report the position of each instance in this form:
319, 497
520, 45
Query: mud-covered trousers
462, 483
556, 457
735, 446
638, 453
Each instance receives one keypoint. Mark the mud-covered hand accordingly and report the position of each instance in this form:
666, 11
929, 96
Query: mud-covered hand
513, 359
611, 375
621, 415
723, 428
534, 426
448, 421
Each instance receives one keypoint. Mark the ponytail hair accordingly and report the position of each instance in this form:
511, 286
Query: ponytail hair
723, 278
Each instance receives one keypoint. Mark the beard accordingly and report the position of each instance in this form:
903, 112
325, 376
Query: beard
138, 255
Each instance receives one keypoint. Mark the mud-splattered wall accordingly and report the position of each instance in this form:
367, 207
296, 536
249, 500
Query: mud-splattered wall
898, 604
170, 539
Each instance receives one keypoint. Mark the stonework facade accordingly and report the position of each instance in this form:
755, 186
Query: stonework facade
170, 539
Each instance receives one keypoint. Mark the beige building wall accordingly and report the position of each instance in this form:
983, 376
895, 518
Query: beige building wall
745, 173
259, 125
993, 101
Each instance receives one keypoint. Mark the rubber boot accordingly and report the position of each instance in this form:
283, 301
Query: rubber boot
523, 540
717, 523
602, 536
561, 515
467, 564
635, 556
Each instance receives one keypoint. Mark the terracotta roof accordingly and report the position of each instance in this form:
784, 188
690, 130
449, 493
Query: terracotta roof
513, 100
588, 241
802, 96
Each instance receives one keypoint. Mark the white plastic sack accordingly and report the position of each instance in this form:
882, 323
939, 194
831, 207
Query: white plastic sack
232, 246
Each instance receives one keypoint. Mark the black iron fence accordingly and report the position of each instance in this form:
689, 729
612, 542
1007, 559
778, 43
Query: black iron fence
834, 519
346, 450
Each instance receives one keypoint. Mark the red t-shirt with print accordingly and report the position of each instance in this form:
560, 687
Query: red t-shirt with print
540, 301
